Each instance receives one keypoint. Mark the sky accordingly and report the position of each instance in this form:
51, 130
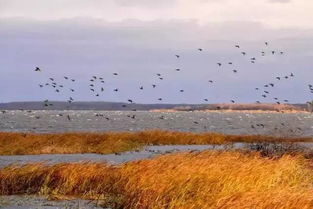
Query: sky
139, 39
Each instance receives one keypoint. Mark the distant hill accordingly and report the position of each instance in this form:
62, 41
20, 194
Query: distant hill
52, 105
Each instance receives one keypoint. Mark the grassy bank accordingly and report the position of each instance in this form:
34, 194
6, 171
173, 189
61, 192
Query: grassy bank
186, 181
112, 142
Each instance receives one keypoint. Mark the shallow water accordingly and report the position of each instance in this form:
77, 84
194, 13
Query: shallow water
38, 202
145, 153
50, 121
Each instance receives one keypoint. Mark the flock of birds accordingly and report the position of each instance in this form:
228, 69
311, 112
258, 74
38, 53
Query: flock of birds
96, 84
96, 89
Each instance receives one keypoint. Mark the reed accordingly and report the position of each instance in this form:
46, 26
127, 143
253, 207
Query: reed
210, 179
112, 142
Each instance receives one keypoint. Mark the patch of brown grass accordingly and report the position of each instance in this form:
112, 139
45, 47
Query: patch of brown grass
208, 179
111, 142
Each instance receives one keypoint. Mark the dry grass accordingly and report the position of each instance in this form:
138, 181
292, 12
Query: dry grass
180, 181
104, 143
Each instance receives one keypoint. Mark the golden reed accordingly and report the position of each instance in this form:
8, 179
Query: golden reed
206, 180
111, 142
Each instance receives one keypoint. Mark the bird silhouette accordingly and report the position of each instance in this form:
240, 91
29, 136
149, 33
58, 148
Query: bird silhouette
38, 69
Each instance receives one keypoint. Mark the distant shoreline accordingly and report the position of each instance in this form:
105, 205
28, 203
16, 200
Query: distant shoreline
116, 106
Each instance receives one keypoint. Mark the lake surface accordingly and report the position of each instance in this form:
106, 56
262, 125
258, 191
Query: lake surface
123, 157
51, 121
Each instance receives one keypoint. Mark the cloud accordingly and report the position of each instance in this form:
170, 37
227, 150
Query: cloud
151, 4
295, 14
280, 1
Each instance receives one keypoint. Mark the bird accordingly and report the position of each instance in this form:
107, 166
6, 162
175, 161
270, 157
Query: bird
243, 53
278, 78
266, 43
181, 90
141, 88
237, 46
230, 63
65, 77
153, 85
116, 90
177, 69
130, 101
210, 81
177, 56
38, 69
200, 49
232, 101
219, 64
68, 117
235, 71
115, 73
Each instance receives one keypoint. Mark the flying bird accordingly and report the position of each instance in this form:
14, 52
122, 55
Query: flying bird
38, 69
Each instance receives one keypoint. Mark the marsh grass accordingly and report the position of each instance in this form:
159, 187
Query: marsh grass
210, 179
113, 142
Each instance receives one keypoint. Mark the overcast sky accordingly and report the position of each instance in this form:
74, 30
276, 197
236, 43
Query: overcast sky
139, 38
